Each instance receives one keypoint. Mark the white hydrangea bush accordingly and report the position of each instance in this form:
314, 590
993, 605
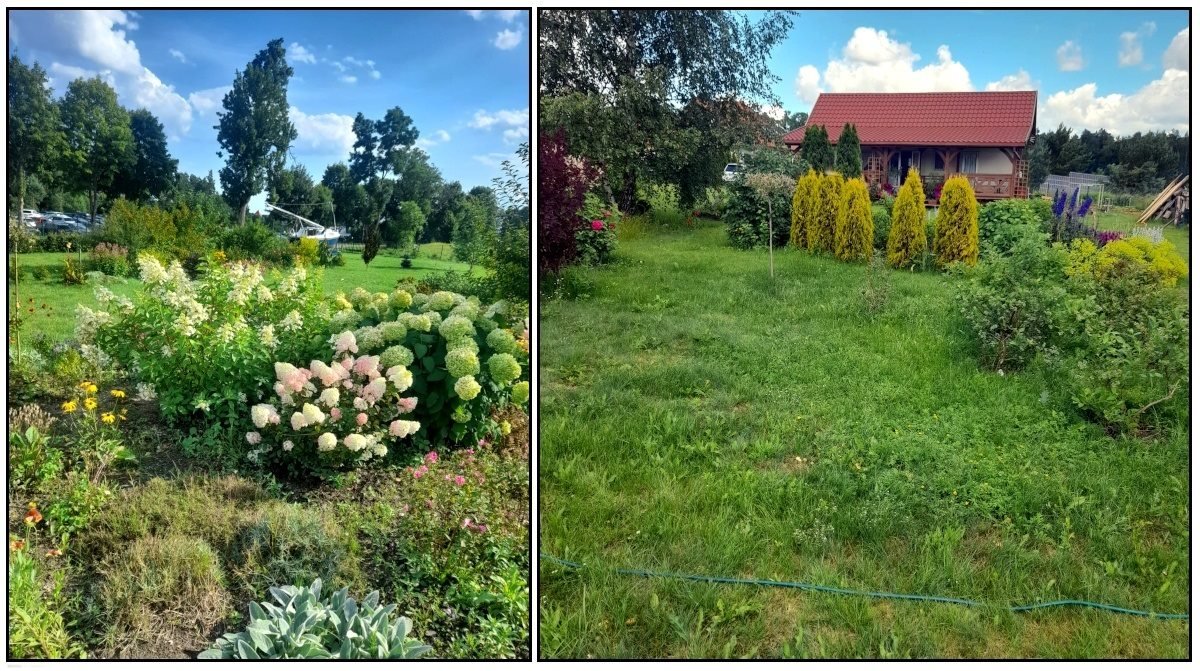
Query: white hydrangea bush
204, 347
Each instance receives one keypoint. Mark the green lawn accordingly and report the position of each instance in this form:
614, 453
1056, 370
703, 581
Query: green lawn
700, 418
58, 320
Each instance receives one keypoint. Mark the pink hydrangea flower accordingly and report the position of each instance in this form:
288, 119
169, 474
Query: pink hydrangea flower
364, 365
345, 343
360, 418
335, 413
408, 404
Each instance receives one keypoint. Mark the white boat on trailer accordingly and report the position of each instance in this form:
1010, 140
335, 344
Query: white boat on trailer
307, 228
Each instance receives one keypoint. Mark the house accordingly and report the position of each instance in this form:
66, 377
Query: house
983, 135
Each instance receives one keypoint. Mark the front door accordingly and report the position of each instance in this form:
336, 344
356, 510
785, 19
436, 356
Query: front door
900, 164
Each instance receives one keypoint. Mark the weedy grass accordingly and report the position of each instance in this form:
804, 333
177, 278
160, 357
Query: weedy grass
699, 418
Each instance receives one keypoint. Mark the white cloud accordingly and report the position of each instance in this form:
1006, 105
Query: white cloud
1070, 57
324, 134
65, 74
485, 120
508, 15
206, 102
493, 159
177, 55
808, 83
354, 61
338, 66
301, 54
367, 65
775, 112
1019, 81
872, 61
476, 14
348, 79
438, 137
375, 74
1160, 105
1178, 56
507, 39
1131, 45
516, 135
99, 39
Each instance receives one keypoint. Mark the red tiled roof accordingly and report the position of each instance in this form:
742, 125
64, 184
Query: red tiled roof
971, 119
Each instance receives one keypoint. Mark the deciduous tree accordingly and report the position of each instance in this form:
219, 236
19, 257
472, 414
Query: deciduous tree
99, 143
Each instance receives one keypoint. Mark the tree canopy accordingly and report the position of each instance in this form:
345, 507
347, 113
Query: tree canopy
99, 142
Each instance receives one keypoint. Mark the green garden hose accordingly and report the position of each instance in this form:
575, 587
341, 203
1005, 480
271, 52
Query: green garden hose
644, 573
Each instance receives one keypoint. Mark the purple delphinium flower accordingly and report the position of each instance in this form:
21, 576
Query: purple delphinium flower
1060, 203
1085, 206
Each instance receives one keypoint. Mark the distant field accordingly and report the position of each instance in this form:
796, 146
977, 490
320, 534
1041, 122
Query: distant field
57, 320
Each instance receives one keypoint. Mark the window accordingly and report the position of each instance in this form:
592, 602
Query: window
938, 163
968, 162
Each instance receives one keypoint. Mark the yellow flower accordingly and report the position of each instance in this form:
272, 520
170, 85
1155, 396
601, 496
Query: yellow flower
91, 389
117, 393
69, 406
108, 418
89, 403
85, 384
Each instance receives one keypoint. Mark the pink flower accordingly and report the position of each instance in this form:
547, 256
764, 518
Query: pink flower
431, 458
360, 418
366, 364
420, 472
345, 343
466, 522
597, 225
460, 480
253, 438
408, 404
335, 413
469, 451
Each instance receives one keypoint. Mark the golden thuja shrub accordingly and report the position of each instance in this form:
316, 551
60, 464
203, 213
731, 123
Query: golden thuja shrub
956, 230
855, 231
802, 208
906, 240
823, 226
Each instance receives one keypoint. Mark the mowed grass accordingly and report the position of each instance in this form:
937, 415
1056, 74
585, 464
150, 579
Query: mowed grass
57, 320
698, 418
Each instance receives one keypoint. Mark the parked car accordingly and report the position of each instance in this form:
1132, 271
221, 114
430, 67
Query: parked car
61, 223
732, 170
31, 218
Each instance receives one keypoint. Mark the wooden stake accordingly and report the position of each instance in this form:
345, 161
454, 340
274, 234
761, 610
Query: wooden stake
770, 238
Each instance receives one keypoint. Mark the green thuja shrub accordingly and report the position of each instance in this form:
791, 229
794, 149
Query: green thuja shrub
854, 234
823, 225
956, 231
802, 207
906, 240
849, 153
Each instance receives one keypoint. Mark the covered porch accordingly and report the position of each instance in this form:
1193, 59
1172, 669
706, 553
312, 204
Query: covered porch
991, 176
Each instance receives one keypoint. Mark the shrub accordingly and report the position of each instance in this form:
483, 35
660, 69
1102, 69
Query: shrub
466, 359
716, 199
302, 625
854, 234
803, 208
662, 201
1132, 256
1003, 223
306, 251
40, 273
1133, 357
73, 271
596, 242
563, 182
906, 239
62, 242
254, 242
956, 232
1013, 304
822, 227
357, 414
328, 256
816, 149
110, 259
36, 627
881, 220
747, 213
207, 347
849, 153
455, 281
158, 588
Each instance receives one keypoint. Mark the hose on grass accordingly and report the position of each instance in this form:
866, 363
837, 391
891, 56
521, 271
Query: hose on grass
1064, 603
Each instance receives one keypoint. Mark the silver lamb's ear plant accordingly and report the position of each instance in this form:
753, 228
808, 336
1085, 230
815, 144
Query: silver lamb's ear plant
303, 626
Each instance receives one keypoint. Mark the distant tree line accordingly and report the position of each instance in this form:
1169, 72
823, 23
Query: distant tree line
1138, 163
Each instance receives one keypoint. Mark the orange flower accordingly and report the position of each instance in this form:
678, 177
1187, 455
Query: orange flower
54, 553
16, 545
33, 516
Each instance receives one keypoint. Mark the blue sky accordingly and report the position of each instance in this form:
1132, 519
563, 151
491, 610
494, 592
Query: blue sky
1126, 71
462, 76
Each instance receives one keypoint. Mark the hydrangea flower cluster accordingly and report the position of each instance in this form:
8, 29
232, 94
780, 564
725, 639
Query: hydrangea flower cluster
226, 328
334, 415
